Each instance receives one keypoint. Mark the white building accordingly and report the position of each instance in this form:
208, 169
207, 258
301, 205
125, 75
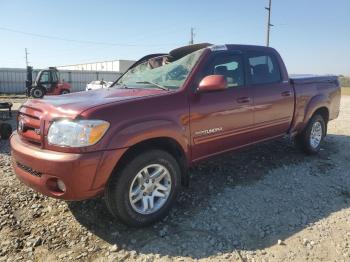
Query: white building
114, 65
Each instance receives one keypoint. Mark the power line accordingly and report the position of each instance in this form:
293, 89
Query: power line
75, 40
269, 25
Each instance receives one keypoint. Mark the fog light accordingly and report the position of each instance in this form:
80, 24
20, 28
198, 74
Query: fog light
61, 186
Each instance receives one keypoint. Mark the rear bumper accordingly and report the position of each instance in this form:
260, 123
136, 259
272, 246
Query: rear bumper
84, 175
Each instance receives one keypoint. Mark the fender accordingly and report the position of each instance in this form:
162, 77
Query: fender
119, 140
133, 133
64, 85
314, 104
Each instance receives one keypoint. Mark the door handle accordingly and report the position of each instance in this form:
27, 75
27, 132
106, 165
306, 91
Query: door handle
286, 93
243, 100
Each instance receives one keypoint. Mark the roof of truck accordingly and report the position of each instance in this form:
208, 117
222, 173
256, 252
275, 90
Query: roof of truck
184, 50
242, 47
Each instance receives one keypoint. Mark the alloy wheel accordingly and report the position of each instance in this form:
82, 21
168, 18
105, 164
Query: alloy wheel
316, 134
150, 189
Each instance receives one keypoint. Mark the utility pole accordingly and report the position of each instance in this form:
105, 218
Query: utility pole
269, 25
26, 52
192, 36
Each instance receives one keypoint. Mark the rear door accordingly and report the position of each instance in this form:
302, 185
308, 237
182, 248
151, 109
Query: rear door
220, 120
273, 97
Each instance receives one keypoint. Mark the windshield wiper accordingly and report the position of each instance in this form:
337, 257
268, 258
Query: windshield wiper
118, 85
155, 84
122, 85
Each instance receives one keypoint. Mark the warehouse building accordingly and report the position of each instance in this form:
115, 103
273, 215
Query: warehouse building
112, 65
12, 80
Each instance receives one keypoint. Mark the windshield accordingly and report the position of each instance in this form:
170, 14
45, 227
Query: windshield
158, 72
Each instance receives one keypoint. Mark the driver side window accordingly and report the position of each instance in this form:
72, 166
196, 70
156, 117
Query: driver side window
230, 66
45, 77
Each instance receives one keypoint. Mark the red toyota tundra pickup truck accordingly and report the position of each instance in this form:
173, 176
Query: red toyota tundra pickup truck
135, 140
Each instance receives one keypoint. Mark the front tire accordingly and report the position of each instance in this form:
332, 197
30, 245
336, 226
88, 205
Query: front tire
37, 92
143, 191
311, 138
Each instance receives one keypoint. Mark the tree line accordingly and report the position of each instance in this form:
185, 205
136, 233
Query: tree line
344, 81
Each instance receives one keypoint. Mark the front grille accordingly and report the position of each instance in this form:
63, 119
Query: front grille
29, 124
29, 170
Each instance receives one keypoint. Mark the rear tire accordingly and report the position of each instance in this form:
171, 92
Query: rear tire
311, 138
64, 92
5, 131
133, 208
37, 92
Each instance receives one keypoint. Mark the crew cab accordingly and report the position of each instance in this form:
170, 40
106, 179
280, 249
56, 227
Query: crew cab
134, 141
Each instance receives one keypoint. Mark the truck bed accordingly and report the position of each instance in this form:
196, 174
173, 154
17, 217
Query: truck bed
312, 79
308, 90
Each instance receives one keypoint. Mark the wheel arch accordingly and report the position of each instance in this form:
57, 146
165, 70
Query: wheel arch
324, 112
318, 104
167, 144
63, 90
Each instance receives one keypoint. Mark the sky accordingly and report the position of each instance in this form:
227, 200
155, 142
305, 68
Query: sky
312, 36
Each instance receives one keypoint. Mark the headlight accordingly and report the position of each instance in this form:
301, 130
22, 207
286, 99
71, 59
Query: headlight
78, 133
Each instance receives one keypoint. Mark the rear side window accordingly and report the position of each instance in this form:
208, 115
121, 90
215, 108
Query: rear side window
264, 68
230, 66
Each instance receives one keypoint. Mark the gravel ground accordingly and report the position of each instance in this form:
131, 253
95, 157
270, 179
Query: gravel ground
266, 203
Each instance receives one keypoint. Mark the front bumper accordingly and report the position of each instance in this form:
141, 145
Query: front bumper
84, 175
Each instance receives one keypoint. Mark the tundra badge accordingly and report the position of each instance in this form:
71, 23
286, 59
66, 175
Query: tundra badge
208, 131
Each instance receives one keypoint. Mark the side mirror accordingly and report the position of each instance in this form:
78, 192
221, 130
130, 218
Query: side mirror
212, 83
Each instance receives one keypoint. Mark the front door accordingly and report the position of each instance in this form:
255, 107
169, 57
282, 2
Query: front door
220, 120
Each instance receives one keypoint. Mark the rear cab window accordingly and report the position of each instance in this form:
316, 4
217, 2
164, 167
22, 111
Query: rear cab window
263, 68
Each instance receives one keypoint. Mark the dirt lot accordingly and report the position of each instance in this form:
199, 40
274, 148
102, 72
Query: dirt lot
266, 203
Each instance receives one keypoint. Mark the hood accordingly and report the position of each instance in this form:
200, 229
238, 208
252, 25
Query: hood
75, 103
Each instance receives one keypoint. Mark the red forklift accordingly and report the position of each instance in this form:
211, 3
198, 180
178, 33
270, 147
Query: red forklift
47, 82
